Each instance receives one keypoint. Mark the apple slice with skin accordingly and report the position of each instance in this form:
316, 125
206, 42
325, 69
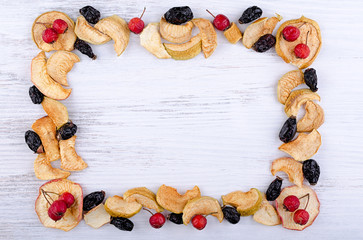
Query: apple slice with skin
70, 160
116, 206
59, 64
44, 82
143, 196
291, 167
267, 214
44, 170
56, 111
247, 203
186, 50
204, 206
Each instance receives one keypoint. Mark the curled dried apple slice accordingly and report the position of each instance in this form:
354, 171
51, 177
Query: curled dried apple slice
171, 200
59, 64
204, 206
186, 50
297, 98
116, 206
143, 196
208, 35
44, 170
288, 82
97, 217
70, 160
233, 34
291, 167
176, 33
247, 203
304, 146
313, 118
150, 39
56, 111
267, 214
88, 33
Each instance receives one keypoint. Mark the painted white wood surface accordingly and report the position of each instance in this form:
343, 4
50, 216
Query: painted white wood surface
211, 122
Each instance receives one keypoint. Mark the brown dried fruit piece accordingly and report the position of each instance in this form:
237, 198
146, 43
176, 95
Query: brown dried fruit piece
208, 35
116, 206
298, 98
176, 33
97, 217
247, 203
44, 170
267, 214
59, 64
70, 160
288, 82
291, 167
304, 146
186, 50
233, 34
204, 206
313, 118
143, 196
286, 49
87, 33
56, 111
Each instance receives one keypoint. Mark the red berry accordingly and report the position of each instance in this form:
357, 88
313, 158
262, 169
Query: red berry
221, 22
302, 51
290, 33
49, 35
301, 217
291, 203
199, 222
57, 210
136, 25
60, 26
68, 198
157, 220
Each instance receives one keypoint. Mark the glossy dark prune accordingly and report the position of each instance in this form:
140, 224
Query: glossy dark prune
288, 130
311, 79
176, 218
123, 224
178, 15
91, 14
84, 48
311, 171
274, 190
35, 95
67, 131
264, 43
231, 214
92, 200
250, 14
33, 141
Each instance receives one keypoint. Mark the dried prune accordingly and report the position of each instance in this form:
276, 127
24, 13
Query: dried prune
84, 48
264, 43
91, 14
311, 79
231, 214
250, 14
288, 130
92, 200
67, 131
311, 171
122, 223
33, 141
176, 218
178, 15
35, 95
274, 190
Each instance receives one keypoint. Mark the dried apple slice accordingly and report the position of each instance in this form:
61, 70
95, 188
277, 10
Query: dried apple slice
97, 217
204, 206
59, 64
56, 111
291, 167
143, 196
186, 50
46, 130
313, 118
44, 170
117, 29
297, 98
44, 82
304, 146
288, 82
175, 33
171, 200
70, 160
150, 39
65, 41
208, 35
72, 216
267, 214
116, 206
313, 207
233, 34
88, 33
247, 203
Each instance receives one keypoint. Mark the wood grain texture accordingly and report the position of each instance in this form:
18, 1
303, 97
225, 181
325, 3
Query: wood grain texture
214, 123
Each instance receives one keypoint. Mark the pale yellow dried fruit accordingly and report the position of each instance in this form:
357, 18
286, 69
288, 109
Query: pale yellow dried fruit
150, 39
116, 206
304, 146
87, 33
247, 203
204, 206
117, 28
143, 196
44, 170
186, 50
97, 217
70, 160
176, 33
313, 118
233, 34
59, 64
287, 83
297, 98
267, 214
56, 111
208, 35
291, 167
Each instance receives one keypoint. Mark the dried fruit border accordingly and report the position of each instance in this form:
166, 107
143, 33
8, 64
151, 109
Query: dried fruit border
61, 204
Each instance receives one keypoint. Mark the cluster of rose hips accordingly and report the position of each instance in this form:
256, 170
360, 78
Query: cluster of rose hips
290, 34
58, 207
50, 34
292, 203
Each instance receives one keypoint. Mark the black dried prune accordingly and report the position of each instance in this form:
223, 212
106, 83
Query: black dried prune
264, 43
178, 15
176, 218
274, 190
84, 48
311, 171
92, 200
311, 79
250, 14
122, 223
33, 141
231, 214
288, 130
91, 14
67, 131
35, 95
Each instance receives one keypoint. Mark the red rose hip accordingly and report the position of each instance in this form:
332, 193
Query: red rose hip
68, 198
57, 210
301, 217
157, 220
199, 222
136, 25
60, 26
49, 35
221, 22
302, 51
290, 33
291, 203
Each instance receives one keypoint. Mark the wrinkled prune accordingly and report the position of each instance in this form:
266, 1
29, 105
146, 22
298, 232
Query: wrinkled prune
264, 43
274, 190
231, 214
122, 223
288, 130
67, 131
311, 79
33, 141
84, 48
92, 200
311, 171
178, 15
91, 14
176, 218
250, 14
35, 95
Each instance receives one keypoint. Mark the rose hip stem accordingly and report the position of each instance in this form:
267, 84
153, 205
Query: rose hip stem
148, 210
44, 194
44, 24
143, 12
307, 35
210, 13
